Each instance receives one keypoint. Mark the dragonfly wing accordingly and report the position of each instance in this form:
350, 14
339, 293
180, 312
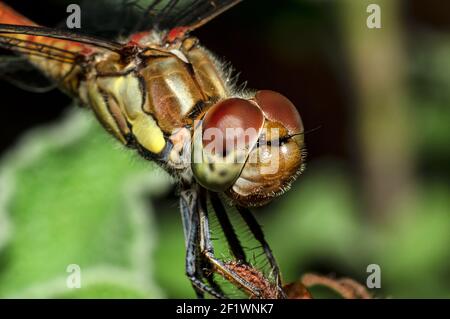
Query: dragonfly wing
119, 16
22, 69
182, 15
20, 72
80, 39
37, 49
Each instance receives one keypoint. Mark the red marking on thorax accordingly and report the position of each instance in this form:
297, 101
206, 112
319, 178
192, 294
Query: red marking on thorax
135, 39
176, 33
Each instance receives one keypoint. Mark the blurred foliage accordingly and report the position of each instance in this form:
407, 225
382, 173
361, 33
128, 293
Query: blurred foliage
69, 197
430, 79
69, 194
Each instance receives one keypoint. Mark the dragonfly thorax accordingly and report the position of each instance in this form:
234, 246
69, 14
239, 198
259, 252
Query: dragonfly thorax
155, 93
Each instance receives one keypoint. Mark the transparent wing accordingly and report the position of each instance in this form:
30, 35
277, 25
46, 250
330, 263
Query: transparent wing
112, 18
37, 49
7, 31
21, 73
109, 19
181, 15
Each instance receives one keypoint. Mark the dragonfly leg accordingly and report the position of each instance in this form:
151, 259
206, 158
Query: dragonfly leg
207, 251
191, 225
257, 232
227, 227
214, 284
192, 270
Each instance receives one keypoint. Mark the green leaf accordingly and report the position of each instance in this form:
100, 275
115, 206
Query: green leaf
69, 195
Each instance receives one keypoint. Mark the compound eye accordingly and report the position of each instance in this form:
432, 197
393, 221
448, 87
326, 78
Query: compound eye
220, 149
230, 123
278, 108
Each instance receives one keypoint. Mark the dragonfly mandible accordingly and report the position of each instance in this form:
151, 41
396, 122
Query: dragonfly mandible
163, 94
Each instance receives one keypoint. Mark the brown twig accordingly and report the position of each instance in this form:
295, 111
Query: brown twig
346, 287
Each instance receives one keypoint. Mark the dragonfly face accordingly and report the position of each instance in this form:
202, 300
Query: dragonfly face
249, 148
167, 97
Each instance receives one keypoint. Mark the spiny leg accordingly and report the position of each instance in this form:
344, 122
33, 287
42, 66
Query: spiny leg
256, 230
214, 285
191, 224
190, 233
199, 248
227, 227
208, 252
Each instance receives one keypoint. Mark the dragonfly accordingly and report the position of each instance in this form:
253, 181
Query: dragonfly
162, 94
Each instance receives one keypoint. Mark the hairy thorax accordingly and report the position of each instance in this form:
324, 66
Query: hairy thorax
150, 99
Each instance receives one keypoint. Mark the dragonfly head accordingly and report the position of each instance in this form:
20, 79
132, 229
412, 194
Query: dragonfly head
251, 149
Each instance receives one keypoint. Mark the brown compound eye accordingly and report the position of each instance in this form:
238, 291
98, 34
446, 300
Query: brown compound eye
234, 120
279, 158
229, 130
278, 108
